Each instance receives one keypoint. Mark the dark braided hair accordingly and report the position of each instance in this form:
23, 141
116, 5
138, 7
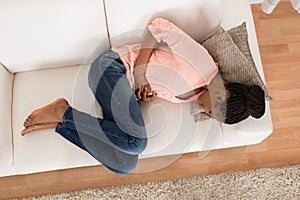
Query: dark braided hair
244, 101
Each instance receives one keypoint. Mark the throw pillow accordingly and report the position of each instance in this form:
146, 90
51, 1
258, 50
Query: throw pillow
231, 50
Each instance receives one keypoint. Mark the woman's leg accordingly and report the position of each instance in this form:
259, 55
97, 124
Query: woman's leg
59, 115
123, 125
73, 137
108, 82
115, 140
70, 135
90, 129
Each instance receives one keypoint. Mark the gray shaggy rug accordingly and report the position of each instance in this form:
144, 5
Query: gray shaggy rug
269, 183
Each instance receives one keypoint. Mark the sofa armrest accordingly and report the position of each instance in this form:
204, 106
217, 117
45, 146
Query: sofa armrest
6, 143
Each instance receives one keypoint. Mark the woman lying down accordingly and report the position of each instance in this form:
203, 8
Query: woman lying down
169, 64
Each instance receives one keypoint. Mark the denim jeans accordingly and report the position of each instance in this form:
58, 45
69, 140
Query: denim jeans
118, 138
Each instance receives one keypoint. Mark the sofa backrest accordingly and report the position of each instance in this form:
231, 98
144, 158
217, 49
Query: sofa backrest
49, 33
127, 19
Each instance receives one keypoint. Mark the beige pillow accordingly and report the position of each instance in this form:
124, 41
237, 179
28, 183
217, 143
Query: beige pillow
230, 49
239, 36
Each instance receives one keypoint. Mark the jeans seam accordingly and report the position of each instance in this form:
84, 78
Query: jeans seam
105, 132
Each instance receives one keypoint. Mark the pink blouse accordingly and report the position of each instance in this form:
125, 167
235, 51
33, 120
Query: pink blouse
175, 68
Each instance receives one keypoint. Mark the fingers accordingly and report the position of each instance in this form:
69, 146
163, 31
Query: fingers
138, 93
144, 93
141, 93
148, 89
150, 97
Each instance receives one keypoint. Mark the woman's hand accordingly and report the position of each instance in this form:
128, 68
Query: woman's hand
144, 93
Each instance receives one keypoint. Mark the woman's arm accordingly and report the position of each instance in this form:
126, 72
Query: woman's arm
185, 49
148, 46
142, 87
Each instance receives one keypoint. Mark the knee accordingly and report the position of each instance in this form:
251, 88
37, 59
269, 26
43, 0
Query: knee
99, 68
138, 136
96, 71
138, 145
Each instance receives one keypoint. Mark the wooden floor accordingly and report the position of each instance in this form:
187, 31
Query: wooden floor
279, 41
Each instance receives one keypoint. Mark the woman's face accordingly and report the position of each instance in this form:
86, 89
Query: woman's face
214, 105
213, 100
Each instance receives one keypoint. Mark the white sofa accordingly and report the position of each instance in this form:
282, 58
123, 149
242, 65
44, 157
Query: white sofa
45, 50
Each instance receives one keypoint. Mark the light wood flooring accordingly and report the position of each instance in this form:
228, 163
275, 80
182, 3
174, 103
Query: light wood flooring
279, 42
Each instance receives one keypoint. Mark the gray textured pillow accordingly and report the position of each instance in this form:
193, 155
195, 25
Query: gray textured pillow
231, 50
239, 36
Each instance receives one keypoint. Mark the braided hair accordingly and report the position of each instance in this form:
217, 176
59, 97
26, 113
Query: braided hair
244, 101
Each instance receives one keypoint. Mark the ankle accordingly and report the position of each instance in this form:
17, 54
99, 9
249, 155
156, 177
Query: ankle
61, 108
60, 113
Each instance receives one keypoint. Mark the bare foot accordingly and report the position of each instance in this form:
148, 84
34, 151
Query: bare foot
38, 127
52, 112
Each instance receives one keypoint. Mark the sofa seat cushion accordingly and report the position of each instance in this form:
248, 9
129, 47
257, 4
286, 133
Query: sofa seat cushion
6, 143
170, 127
44, 150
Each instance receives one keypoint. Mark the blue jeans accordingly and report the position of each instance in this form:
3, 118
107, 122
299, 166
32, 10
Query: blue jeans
118, 138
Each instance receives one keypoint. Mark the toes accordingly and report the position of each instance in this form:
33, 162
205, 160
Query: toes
25, 131
28, 129
26, 122
29, 120
38, 127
